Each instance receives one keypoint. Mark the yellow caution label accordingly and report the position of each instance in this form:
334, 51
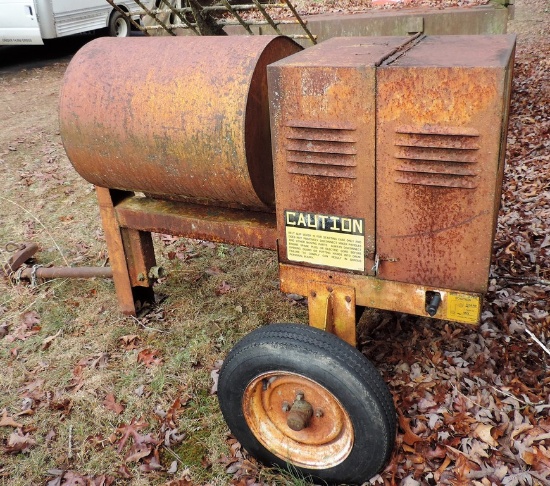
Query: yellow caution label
328, 240
463, 308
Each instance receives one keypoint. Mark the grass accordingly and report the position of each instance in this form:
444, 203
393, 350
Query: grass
192, 330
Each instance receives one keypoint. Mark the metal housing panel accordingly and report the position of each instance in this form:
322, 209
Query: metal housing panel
323, 136
440, 123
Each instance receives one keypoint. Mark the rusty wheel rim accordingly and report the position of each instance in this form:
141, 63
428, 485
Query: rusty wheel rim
325, 442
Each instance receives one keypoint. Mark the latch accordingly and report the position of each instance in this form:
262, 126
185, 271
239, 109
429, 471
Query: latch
377, 260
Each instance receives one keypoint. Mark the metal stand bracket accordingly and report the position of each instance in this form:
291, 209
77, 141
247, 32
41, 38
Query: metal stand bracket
332, 309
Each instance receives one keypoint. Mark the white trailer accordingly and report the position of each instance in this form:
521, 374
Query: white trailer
32, 21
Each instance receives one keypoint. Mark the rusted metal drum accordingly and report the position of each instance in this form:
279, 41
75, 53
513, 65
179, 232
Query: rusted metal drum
174, 117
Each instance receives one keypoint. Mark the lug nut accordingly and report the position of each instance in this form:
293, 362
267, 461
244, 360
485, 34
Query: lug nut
286, 406
299, 395
319, 413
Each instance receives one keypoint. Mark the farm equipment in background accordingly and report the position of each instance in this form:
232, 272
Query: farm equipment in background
373, 166
166, 17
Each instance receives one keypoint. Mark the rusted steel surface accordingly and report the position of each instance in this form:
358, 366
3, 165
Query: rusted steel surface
388, 157
123, 287
429, 193
66, 272
24, 252
28, 249
441, 127
300, 413
373, 292
322, 441
183, 117
323, 131
234, 226
332, 308
140, 256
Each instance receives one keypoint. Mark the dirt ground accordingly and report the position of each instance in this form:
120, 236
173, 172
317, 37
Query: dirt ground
78, 379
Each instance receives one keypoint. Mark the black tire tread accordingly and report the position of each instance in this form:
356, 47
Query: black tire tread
302, 337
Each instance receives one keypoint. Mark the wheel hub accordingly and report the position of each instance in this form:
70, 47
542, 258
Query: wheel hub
121, 28
300, 413
298, 420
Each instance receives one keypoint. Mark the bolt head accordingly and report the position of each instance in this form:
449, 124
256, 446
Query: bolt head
319, 413
286, 406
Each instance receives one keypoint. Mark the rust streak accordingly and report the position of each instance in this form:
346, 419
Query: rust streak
442, 230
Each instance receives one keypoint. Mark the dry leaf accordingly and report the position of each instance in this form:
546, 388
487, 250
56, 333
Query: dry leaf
138, 452
180, 482
111, 404
124, 472
483, 432
6, 421
168, 239
48, 341
98, 360
215, 375
130, 341
30, 319
520, 430
149, 357
51, 435
410, 438
171, 414
132, 430
19, 442
223, 288
538, 459
445, 464
214, 271
4, 330
151, 463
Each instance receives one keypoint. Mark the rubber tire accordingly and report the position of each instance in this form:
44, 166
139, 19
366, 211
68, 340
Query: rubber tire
334, 364
115, 17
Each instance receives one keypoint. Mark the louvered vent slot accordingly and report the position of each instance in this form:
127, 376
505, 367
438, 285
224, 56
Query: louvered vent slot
321, 149
437, 156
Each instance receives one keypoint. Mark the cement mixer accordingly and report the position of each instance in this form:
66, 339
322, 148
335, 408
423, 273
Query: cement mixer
373, 166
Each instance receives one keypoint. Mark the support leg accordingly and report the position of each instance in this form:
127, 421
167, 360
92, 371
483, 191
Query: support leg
130, 253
